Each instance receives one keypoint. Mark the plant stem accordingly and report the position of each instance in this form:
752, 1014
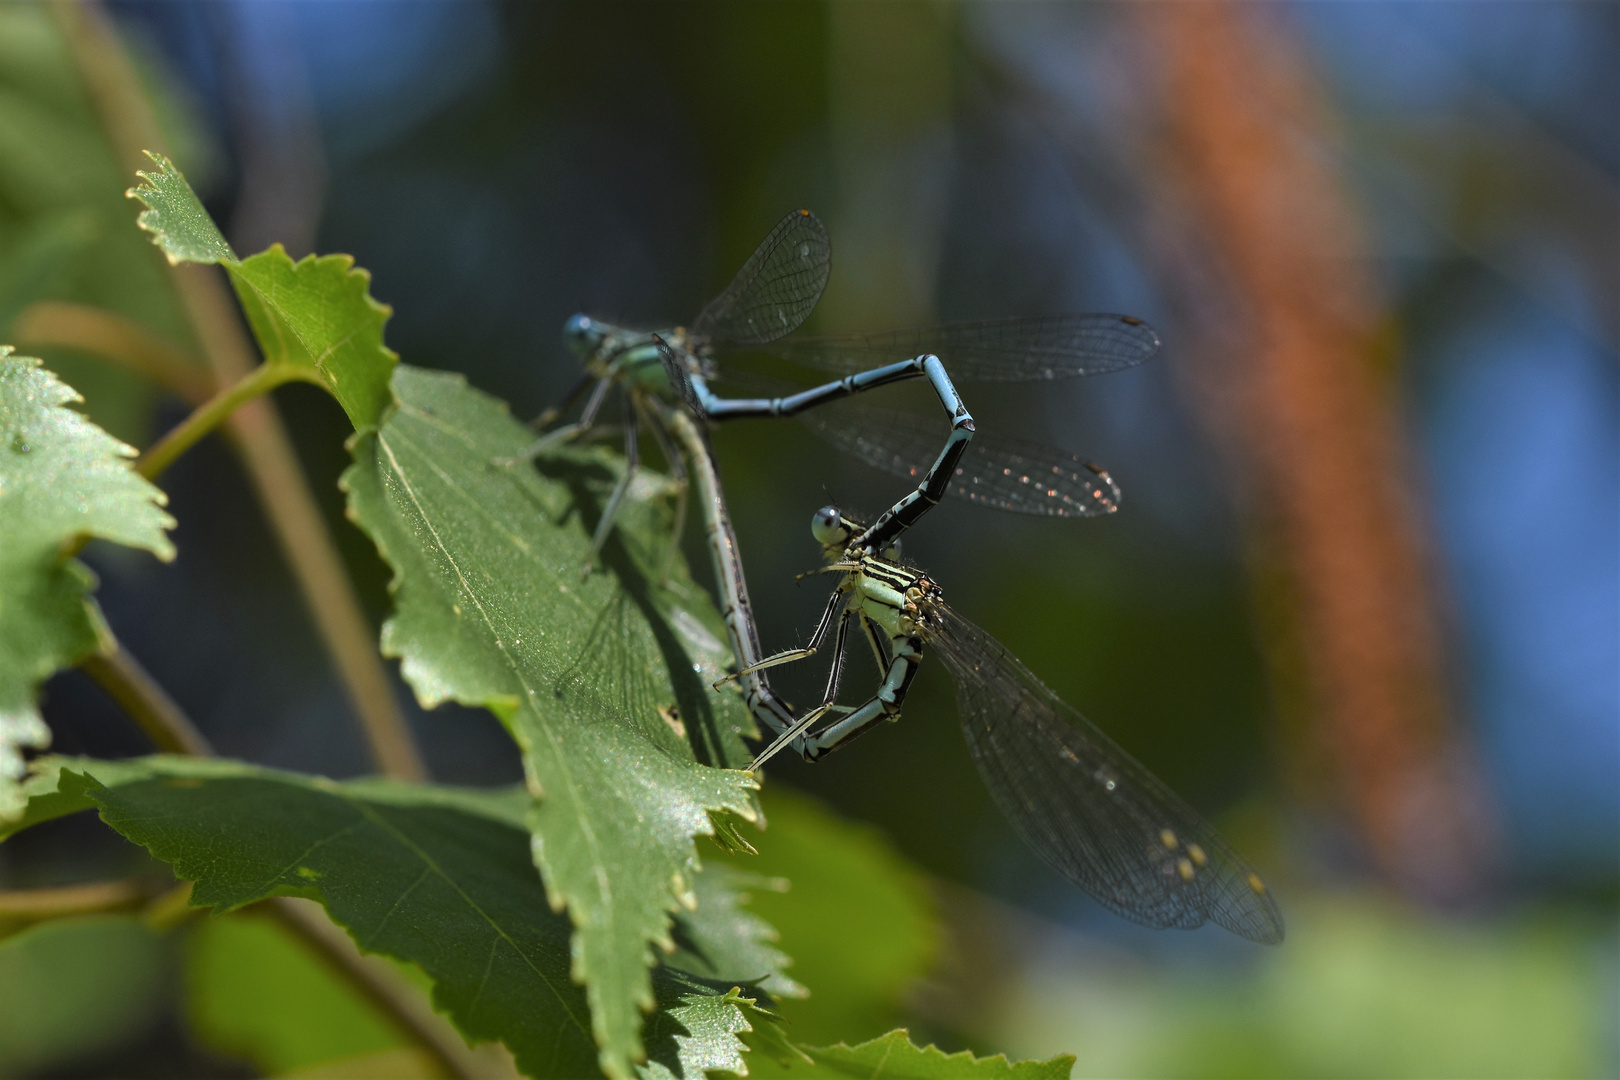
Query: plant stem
112, 337
145, 702
170, 728
32, 905
390, 992
262, 441
206, 417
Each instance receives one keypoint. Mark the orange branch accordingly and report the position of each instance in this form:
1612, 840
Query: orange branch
1307, 411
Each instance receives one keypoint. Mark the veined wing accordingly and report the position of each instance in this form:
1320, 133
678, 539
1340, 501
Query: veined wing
999, 350
1008, 474
777, 287
1086, 807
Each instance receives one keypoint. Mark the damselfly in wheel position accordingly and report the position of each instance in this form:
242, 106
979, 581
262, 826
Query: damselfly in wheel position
1082, 803
774, 293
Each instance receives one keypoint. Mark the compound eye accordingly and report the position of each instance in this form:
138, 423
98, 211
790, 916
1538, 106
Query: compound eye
581, 334
828, 526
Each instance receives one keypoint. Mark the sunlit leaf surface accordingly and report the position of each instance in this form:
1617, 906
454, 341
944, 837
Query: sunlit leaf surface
175, 216
315, 318
895, 1057
60, 477
604, 681
318, 316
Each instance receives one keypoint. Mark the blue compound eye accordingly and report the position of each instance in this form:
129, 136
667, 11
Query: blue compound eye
828, 526
581, 333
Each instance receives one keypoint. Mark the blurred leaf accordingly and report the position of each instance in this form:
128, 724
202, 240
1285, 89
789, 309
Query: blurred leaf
405, 1063
1365, 988
720, 939
73, 987
64, 222
857, 915
60, 477
315, 318
895, 1057
439, 877
587, 674
255, 992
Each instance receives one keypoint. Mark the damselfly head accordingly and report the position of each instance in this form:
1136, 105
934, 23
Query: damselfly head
583, 334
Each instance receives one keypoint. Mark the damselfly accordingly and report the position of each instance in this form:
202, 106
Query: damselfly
1080, 801
773, 294
763, 702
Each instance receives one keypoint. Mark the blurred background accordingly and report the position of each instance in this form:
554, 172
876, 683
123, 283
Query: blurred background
1361, 604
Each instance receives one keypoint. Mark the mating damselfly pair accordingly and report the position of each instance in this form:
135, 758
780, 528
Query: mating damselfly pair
1082, 803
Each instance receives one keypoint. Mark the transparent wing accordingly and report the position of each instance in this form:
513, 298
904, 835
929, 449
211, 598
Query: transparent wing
1000, 350
675, 372
1099, 818
1008, 474
775, 290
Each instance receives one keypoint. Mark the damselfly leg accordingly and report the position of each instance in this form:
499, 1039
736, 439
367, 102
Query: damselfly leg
1080, 802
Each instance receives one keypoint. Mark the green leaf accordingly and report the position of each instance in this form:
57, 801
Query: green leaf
64, 221
439, 877
895, 1057
60, 477
74, 987
722, 940
175, 216
603, 682
315, 319
858, 915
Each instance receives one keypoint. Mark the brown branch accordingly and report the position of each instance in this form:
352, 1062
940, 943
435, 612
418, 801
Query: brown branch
1300, 400
32, 905
122, 341
261, 438
145, 702
168, 726
401, 1002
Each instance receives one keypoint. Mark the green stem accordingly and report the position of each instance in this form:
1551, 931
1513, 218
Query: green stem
208, 416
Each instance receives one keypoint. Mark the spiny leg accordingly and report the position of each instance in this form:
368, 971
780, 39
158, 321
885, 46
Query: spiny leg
795, 734
790, 655
567, 431
631, 462
874, 639
544, 420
